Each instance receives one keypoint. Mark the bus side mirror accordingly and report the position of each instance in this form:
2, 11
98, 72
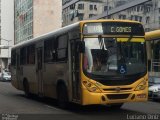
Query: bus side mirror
81, 46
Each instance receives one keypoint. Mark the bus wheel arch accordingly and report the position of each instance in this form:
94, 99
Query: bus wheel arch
62, 94
26, 87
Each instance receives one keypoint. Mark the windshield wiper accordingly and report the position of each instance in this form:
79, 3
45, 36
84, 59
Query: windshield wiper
101, 42
129, 46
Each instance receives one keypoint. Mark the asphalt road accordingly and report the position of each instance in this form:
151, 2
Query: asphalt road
14, 105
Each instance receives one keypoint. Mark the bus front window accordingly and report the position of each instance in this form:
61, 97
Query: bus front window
100, 55
108, 57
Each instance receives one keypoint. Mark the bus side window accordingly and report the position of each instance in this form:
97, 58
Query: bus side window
23, 55
49, 50
62, 53
13, 57
31, 54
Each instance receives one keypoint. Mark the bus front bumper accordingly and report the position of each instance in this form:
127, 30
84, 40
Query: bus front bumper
90, 98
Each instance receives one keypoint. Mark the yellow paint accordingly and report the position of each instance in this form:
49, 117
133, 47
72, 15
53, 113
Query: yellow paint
96, 98
132, 40
152, 35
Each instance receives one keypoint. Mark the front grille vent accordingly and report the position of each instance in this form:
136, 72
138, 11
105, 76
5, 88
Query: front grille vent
114, 89
117, 96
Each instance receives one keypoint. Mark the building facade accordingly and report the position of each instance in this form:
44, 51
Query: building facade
76, 10
36, 17
6, 32
145, 11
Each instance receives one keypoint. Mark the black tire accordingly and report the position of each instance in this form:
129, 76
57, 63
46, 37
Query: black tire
116, 106
26, 88
62, 96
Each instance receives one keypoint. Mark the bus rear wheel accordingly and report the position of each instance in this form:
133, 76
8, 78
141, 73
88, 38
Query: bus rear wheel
62, 96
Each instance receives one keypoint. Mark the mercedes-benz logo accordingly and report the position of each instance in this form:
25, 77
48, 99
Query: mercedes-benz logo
117, 89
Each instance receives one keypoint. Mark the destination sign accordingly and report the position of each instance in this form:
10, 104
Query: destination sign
113, 28
121, 29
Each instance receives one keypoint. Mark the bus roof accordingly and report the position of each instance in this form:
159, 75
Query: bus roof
47, 35
65, 29
152, 35
110, 20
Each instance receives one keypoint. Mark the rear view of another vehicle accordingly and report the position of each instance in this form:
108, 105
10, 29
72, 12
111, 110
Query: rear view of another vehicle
6, 76
154, 88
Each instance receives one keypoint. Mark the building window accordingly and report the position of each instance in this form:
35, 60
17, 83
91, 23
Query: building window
138, 8
92, 15
72, 6
132, 17
147, 8
95, 7
122, 17
142, 7
147, 19
147, 29
81, 6
80, 16
91, 7
140, 19
136, 18
105, 8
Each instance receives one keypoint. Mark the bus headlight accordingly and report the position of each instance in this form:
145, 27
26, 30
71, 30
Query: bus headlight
141, 86
91, 87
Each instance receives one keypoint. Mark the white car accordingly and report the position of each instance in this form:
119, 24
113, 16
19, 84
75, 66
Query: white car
154, 88
5, 76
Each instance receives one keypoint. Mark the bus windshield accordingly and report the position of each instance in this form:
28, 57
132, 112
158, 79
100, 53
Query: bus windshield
109, 57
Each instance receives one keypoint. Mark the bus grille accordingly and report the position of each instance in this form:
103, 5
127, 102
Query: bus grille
113, 89
117, 96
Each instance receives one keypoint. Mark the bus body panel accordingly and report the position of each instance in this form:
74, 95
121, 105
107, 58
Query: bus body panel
29, 74
14, 79
53, 73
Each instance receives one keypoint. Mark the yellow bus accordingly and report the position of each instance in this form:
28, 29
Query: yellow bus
89, 62
153, 51
152, 35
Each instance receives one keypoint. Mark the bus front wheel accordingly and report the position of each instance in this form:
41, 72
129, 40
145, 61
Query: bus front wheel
62, 96
116, 106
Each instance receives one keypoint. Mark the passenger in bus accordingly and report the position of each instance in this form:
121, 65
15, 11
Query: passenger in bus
97, 64
86, 66
88, 60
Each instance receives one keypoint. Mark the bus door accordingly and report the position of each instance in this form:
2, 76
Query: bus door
39, 70
75, 59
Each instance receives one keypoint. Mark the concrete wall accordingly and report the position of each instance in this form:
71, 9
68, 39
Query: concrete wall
7, 28
47, 16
